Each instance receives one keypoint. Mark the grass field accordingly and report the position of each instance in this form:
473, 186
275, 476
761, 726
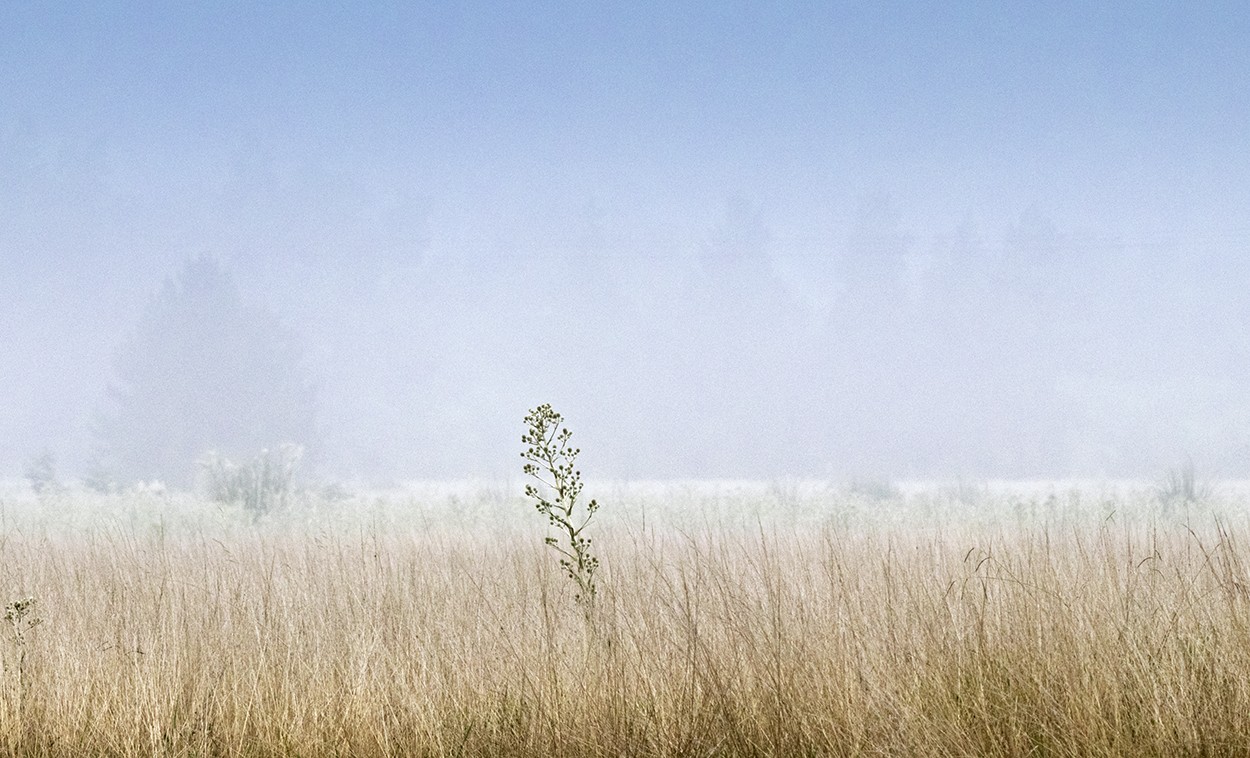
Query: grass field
774, 620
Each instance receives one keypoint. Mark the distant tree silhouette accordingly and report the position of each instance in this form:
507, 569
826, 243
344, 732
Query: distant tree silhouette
203, 371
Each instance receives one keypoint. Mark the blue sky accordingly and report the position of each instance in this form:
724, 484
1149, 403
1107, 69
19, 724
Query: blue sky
1054, 105
381, 153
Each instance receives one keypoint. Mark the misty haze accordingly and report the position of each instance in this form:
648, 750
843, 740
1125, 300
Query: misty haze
295, 280
734, 243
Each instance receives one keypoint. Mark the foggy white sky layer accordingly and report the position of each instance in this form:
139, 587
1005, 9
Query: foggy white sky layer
724, 241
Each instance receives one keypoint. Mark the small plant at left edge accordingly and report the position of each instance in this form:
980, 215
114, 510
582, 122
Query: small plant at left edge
22, 619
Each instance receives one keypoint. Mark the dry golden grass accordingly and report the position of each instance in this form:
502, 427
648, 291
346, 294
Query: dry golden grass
1102, 639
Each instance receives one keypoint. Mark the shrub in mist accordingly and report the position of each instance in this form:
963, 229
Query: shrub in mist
1181, 485
41, 473
99, 479
261, 486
